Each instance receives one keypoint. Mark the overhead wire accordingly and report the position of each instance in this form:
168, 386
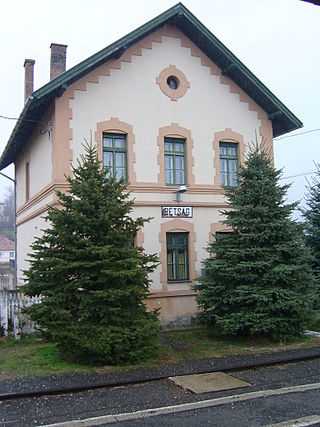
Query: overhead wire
8, 118
19, 119
297, 134
277, 139
299, 174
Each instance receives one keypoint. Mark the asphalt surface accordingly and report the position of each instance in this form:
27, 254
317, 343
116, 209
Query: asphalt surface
257, 412
159, 393
68, 383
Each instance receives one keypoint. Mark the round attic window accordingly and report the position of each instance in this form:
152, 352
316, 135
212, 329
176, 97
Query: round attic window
173, 83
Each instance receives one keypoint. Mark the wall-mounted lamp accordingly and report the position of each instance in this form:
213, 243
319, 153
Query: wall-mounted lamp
48, 130
181, 189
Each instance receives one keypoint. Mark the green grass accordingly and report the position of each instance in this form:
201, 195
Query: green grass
197, 344
29, 356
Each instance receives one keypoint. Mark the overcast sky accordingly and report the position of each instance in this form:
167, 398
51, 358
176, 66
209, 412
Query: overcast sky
278, 40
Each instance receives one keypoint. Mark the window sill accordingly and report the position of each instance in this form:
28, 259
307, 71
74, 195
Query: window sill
177, 282
175, 185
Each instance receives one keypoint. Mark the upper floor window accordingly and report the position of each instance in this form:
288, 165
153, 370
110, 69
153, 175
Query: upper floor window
221, 235
177, 256
228, 163
174, 153
115, 155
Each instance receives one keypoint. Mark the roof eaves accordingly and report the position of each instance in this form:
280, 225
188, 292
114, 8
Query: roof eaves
226, 58
93, 61
283, 120
46, 93
6, 155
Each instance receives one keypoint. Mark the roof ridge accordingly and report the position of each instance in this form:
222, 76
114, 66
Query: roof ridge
283, 120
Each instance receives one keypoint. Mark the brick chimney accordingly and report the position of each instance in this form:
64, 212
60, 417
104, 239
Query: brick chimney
28, 77
58, 59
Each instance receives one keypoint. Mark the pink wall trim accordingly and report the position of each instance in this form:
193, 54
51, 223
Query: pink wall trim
176, 131
114, 125
62, 133
226, 135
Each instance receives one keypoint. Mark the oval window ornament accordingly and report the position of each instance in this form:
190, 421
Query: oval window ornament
173, 83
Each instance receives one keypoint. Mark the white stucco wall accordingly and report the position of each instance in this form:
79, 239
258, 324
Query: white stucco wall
38, 152
151, 242
26, 233
202, 219
20, 177
132, 95
40, 163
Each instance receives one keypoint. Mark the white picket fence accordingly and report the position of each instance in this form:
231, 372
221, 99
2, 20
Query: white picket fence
12, 319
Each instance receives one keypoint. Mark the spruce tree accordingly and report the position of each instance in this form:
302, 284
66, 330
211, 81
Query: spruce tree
257, 280
91, 277
312, 227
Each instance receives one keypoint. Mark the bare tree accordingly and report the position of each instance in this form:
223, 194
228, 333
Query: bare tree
7, 215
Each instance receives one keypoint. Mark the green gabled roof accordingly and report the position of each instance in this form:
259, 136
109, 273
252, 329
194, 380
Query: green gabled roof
283, 120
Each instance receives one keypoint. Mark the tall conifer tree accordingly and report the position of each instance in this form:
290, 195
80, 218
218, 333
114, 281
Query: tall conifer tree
91, 277
312, 225
257, 279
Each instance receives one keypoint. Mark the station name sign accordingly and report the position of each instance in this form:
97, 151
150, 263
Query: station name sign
176, 211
